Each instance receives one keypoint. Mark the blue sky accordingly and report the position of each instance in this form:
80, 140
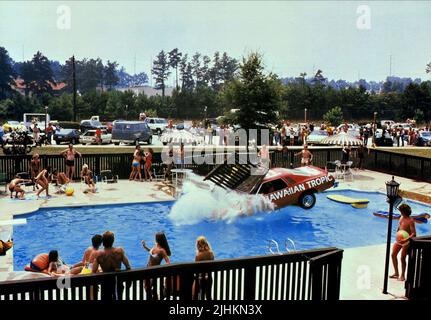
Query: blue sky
293, 36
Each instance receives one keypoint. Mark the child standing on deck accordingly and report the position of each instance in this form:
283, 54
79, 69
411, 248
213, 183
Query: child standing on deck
407, 224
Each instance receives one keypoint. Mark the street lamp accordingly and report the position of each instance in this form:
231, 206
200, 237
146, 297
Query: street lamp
126, 110
392, 194
46, 120
305, 115
374, 127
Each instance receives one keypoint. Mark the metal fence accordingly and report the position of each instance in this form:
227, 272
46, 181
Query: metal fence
120, 163
418, 282
302, 275
402, 165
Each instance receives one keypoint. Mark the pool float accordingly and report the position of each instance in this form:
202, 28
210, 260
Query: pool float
419, 218
39, 263
355, 203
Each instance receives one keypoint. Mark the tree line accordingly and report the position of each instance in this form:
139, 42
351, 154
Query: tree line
204, 87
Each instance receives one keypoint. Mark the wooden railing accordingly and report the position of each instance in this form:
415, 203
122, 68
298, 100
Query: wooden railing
302, 275
418, 282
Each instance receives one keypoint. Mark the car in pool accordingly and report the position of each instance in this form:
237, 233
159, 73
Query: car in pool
89, 137
67, 135
316, 137
283, 187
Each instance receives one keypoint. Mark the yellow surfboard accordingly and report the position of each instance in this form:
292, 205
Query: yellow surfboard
347, 200
359, 205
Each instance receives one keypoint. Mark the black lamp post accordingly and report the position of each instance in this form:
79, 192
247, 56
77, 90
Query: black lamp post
392, 193
46, 120
127, 107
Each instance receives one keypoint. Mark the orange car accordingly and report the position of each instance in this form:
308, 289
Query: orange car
294, 186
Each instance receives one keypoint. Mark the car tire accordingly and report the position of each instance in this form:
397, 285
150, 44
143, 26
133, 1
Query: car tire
57, 142
150, 140
307, 200
117, 143
159, 131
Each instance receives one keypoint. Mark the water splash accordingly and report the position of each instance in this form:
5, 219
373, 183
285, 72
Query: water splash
203, 200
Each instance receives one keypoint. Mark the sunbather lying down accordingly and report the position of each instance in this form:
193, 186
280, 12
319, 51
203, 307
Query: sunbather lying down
61, 180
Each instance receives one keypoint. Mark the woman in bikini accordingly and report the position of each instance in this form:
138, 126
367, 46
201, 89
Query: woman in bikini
136, 164
148, 163
203, 282
159, 252
70, 154
57, 267
34, 169
42, 180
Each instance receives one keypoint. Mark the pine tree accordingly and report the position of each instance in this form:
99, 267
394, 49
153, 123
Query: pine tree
160, 71
174, 61
7, 74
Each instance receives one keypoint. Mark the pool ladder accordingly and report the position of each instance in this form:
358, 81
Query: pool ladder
272, 244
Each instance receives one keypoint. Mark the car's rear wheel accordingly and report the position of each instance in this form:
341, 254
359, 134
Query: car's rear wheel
307, 200
150, 140
159, 131
117, 143
57, 142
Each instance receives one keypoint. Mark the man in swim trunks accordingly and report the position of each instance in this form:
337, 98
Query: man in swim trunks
307, 156
70, 154
14, 186
110, 260
407, 224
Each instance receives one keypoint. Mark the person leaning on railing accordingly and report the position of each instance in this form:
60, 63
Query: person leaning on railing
203, 281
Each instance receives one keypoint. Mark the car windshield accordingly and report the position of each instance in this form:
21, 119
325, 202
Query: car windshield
13, 122
320, 132
66, 131
426, 134
90, 133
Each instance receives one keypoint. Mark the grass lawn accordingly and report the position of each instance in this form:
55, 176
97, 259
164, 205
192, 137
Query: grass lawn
413, 151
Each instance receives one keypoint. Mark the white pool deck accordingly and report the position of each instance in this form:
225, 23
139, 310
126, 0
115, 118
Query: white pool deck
362, 268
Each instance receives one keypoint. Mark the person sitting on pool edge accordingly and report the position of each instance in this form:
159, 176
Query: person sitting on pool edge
57, 267
407, 224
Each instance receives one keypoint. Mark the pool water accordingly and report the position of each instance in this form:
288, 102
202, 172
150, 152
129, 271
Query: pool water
329, 223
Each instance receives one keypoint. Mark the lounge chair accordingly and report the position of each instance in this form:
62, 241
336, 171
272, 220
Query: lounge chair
106, 176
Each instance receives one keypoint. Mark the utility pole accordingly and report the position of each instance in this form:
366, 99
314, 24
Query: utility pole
74, 87
390, 65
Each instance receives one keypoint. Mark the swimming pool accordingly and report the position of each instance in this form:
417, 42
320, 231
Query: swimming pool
329, 223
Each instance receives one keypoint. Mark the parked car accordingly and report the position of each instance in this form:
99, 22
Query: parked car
157, 125
424, 138
91, 124
131, 132
383, 140
1, 135
67, 135
89, 137
351, 126
316, 136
